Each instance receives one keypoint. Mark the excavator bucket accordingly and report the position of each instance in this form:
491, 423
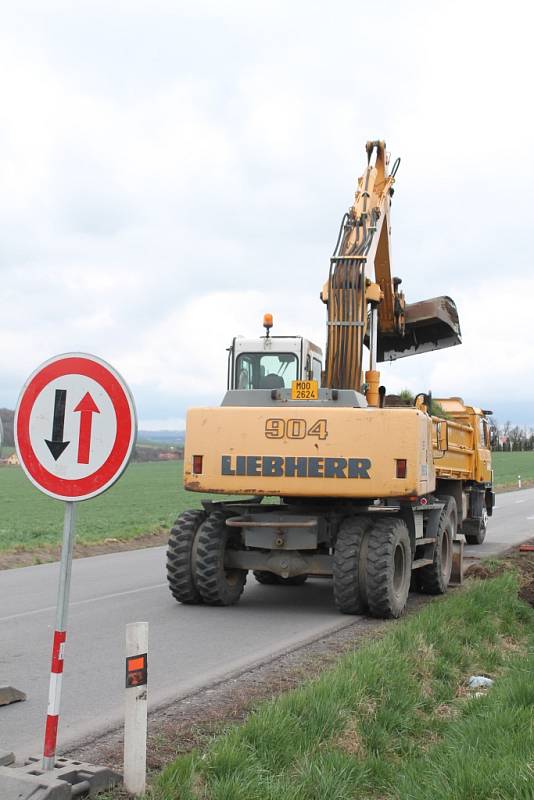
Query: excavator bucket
430, 325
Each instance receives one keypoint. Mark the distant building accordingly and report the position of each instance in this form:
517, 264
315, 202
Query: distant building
13, 459
172, 456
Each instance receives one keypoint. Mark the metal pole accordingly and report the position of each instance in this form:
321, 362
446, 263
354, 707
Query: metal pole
373, 336
60, 635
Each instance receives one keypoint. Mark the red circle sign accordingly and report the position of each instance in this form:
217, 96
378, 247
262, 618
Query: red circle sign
75, 426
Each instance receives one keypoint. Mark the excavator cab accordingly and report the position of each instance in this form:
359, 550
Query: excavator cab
272, 362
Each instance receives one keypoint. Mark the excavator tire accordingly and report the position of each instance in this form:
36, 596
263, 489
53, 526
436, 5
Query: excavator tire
474, 530
180, 570
434, 578
349, 569
389, 567
269, 578
217, 586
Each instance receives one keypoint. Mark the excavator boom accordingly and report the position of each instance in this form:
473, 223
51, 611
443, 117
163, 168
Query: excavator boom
362, 311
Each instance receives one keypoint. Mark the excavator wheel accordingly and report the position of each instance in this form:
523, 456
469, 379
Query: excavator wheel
180, 570
474, 530
349, 569
217, 586
389, 567
435, 577
269, 578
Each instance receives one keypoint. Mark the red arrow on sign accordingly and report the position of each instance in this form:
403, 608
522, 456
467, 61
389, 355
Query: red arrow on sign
87, 407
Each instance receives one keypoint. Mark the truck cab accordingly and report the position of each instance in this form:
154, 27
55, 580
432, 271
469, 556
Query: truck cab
272, 362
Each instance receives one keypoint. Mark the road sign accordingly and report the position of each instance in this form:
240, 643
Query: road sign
75, 429
75, 426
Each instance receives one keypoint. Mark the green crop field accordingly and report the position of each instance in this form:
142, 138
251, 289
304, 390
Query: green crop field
507, 466
148, 497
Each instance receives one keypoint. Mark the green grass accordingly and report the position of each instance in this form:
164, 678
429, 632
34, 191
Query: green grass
507, 466
148, 497
392, 721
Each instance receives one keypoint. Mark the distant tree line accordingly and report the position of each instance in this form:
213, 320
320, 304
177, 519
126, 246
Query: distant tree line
145, 452
8, 417
507, 437
141, 452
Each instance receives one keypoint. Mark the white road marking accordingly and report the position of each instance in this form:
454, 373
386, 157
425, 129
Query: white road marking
520, 501
530, 517
83, 602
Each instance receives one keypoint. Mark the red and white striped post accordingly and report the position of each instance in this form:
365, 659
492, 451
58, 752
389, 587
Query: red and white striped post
60, 636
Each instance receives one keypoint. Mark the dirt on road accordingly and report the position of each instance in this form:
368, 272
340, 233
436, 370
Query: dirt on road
20, 557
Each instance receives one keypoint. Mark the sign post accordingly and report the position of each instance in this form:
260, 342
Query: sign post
75, 428
60, 636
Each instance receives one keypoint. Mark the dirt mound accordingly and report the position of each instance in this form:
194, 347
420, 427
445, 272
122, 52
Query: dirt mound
482, 572
526, 593
523, 562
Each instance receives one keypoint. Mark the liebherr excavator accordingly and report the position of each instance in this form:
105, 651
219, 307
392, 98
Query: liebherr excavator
370, 494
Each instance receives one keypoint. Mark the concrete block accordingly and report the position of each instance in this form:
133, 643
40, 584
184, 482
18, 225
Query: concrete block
8, 694
68, 779
6, 758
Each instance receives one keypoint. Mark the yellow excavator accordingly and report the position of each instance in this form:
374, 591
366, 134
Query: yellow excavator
363, 487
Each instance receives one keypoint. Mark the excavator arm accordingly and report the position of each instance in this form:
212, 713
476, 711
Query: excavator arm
362, 311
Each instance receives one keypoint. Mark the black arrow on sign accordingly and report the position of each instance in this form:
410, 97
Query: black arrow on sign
56, 445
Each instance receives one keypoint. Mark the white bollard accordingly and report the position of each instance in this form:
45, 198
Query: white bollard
135, 719
519, 481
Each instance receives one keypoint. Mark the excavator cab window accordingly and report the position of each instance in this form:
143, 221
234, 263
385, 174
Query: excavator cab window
266, 370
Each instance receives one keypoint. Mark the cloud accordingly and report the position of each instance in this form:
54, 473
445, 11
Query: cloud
171, 170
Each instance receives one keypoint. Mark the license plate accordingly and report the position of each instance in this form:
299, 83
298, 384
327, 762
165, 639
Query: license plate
304, 390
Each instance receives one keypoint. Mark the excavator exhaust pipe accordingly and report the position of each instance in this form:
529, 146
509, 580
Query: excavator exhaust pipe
430, 325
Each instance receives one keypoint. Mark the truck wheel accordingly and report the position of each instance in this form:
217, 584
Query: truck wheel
262, 576
217, 586
389, 567
434, 578
474, 530
180, 572
349, 570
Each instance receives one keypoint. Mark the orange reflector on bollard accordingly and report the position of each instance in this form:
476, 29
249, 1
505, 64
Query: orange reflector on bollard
136, 670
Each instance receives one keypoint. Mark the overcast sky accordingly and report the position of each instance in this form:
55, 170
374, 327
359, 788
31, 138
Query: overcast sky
169, 171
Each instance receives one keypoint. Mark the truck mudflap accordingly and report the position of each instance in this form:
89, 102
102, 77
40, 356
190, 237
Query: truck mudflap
430, 325
489, 499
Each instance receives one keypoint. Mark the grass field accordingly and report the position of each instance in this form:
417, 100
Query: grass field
393, 720
507, 466
148, 497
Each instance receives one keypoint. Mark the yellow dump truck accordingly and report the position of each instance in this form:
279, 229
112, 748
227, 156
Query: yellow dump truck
371, 493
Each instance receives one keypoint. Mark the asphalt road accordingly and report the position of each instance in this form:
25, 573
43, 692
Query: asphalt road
189, 646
